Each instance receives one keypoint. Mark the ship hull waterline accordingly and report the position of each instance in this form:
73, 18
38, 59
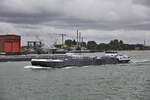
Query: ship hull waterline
77, 62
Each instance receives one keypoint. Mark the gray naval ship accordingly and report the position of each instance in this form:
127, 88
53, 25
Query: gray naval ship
72, 59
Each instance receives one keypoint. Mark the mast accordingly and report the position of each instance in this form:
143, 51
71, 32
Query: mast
77, 37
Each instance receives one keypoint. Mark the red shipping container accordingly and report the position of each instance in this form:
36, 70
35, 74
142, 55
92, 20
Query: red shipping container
7, 47
10, 44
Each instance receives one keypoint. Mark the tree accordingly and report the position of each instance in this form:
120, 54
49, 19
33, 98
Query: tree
83, 44
120, 42
92, 45
103, 47
68, 43
74, 42
121, 45
114, 44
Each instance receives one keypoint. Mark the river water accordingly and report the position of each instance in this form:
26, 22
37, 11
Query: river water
104, 82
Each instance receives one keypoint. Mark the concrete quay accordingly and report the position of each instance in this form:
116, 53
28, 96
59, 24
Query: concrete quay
6, 58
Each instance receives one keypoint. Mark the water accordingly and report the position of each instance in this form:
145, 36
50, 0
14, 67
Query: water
103, 82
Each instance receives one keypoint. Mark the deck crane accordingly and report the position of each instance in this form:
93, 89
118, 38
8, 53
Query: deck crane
37, 36
62, 37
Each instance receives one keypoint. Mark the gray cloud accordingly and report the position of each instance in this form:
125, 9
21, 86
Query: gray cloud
142, 2
31, 16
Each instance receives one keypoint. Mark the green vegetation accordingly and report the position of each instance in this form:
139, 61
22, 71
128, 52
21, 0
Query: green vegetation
91, 45
112, 45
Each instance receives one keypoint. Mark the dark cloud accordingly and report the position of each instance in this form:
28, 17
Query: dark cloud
103, 14
142, 2
28, 18
31, 16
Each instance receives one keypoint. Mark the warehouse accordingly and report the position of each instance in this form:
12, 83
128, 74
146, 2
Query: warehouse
10, 44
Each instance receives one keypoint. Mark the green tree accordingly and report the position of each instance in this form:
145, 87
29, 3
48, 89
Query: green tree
83, 44
114, 44
121, 44
103, 47
74, 42
92, 45
68, 43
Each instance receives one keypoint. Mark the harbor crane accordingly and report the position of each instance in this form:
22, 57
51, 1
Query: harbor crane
62, 36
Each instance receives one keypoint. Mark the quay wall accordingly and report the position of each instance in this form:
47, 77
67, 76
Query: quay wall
6, 58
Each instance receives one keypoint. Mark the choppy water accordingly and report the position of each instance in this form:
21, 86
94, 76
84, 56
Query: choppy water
104, 82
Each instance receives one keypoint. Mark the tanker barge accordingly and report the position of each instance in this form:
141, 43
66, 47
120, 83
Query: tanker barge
80, 60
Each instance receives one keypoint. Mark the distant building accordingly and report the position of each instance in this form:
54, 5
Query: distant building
34, 44
10, 44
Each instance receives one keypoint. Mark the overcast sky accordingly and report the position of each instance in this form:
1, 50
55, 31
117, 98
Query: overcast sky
99, 20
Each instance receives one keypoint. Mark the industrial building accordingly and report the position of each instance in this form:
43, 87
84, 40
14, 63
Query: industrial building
10, 44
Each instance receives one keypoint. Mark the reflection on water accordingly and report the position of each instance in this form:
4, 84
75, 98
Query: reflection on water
104, 82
